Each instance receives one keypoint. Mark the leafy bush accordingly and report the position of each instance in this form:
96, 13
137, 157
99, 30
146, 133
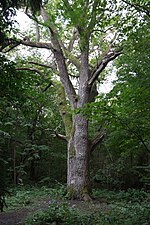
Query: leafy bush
131, 214
60, 213
118, 175
129, 196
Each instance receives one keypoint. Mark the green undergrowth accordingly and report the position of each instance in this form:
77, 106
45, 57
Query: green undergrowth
129, 196
131, 207
62, 214
28, 195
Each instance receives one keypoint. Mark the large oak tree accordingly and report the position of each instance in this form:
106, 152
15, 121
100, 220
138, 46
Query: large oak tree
83, 37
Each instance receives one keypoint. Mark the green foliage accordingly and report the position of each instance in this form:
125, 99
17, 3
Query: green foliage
13, 4
128, 215
124, 115
128, 196
28, 112
23, 196
29, 118
3, 181
144, 172
58, 213
127, 208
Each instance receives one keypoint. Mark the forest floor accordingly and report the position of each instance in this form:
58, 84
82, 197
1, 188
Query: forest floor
14, 217
132, 206
17, 216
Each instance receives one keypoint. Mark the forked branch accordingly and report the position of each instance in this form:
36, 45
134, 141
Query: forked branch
109, 56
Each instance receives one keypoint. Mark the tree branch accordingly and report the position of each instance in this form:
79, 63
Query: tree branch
37, 44
11, 43
48, 86
93, 16
32, 69
72, 59
8, 44
40, 64
109, 56
61, 136
131, 131
46, 66
71, 43
61, 64
138, 7
41, 74
37, 31
96, 141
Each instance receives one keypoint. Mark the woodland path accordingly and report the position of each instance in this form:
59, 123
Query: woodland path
17, 216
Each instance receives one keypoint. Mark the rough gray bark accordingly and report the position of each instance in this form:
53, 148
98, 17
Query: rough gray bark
78, 160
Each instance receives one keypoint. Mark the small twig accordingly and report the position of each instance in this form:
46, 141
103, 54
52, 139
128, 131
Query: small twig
48, 86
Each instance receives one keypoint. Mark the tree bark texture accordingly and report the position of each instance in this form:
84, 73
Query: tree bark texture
78, 160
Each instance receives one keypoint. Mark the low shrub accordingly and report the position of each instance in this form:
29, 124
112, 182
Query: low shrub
120, 214
129, 196
60, 213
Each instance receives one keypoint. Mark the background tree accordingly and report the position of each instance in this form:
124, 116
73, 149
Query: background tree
29, 117
126, 110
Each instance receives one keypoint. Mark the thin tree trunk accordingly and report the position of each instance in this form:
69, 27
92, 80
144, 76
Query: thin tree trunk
14, 166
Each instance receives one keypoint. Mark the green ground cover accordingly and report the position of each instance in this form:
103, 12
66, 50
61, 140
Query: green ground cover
131, 207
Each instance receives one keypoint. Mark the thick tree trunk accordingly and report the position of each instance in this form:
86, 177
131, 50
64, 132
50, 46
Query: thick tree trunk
78, 150
78, 181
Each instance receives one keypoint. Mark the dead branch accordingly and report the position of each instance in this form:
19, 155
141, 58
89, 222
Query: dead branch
61, 136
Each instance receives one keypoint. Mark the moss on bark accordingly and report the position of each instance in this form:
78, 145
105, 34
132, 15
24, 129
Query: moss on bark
64, 108
82, 194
